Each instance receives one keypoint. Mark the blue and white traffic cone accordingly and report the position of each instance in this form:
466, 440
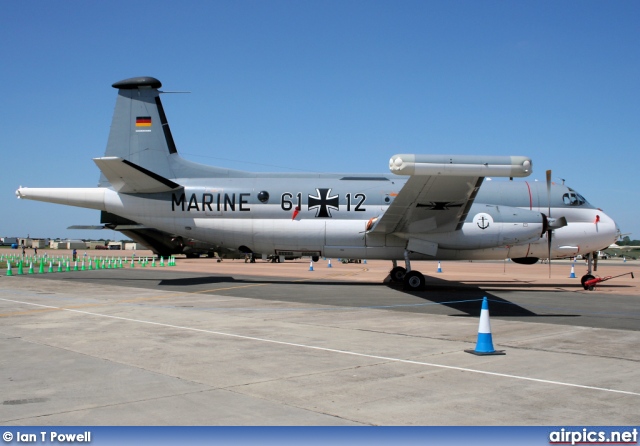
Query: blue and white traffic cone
329, 264
484, 346
311, 266
439, 267
573, 272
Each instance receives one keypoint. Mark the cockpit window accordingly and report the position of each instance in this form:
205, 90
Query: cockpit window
572, 198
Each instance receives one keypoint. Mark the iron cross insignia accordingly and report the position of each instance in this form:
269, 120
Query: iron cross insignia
439, 205
323, 202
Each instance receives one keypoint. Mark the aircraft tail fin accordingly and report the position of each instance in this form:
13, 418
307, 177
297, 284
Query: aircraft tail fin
140, 134
139, 129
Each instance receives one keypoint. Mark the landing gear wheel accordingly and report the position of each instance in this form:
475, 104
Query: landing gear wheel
397, 274
414, 281
584, 279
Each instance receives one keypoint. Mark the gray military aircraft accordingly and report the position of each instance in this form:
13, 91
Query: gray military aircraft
435, 207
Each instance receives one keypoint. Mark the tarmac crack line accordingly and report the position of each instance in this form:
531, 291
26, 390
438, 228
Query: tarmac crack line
103, 406
344, 352
232, 389
307, 409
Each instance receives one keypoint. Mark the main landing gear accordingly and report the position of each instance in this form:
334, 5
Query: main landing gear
411, 280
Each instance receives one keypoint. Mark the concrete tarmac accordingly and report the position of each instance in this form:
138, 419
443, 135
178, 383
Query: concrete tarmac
234, 343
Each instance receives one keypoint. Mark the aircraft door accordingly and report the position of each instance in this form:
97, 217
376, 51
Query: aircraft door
211, 202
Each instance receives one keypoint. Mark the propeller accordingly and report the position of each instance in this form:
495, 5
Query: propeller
551, 224
549, 231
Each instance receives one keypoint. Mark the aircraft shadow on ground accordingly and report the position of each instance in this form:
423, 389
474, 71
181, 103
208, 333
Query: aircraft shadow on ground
462, 297
468, 300
441, 291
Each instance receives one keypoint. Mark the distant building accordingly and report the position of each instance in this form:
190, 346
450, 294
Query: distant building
134, 246
67, 244
39, 243
28, 242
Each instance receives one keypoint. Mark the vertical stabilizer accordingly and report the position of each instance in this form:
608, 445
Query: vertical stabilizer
139, 129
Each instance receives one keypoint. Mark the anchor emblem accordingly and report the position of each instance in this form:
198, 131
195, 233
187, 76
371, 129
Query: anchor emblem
483, 220
483, 223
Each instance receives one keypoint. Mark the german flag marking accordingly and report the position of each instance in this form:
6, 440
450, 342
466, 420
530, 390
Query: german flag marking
143, 121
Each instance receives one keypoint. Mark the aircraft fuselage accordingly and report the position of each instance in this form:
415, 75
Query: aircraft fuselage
275, 215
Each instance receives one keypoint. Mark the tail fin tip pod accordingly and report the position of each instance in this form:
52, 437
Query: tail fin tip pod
137, 82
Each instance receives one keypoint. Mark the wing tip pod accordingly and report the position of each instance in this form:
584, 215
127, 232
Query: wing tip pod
461, 165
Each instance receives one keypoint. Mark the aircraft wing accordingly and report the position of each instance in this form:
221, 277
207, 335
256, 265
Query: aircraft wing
623, 247
128, 177
429, 203
441, 189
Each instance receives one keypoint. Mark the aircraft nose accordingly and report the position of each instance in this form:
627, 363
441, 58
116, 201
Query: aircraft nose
612, 229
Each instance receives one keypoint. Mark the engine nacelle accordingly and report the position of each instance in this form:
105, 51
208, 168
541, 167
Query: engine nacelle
490, 226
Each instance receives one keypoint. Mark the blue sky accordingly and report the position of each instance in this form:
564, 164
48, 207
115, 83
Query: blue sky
325, 86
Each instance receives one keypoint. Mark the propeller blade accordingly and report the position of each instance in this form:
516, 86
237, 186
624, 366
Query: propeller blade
549, 231
549, 193
549, 249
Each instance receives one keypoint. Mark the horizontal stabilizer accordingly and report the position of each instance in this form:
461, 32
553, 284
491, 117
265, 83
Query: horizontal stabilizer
127, 177
87, 227
109, 227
